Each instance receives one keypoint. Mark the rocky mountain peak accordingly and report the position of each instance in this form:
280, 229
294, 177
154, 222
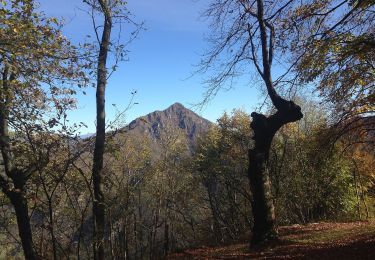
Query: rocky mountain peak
175, 108
174, 118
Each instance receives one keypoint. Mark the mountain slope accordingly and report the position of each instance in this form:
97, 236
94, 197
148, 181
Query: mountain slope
173, 121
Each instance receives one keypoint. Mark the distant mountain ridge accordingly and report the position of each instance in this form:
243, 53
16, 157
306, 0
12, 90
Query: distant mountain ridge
174, 120
174, 117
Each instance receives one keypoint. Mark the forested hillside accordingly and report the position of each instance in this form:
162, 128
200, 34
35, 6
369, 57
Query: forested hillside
168, 191
296, 173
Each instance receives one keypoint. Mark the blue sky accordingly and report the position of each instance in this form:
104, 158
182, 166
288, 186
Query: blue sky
160, 61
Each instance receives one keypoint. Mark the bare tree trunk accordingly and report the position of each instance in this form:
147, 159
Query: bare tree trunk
41, 245
13, 181
111, 239
19, 203
265, 129
357, 191
140, 236
97, 171
166, 238
51, 228
135, 232
362, 195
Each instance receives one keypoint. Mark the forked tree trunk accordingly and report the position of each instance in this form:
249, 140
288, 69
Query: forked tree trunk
265, 129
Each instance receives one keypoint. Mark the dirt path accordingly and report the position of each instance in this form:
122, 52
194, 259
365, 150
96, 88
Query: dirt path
314, 241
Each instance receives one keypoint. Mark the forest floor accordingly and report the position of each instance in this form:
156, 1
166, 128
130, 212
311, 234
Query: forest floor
355, 240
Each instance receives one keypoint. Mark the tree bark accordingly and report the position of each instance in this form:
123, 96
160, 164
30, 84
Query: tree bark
51, 228
265, 128
97, 171
166, 238
19, 203
13, 181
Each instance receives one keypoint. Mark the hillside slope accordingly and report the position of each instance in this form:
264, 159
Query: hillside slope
175, 120
324, 240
